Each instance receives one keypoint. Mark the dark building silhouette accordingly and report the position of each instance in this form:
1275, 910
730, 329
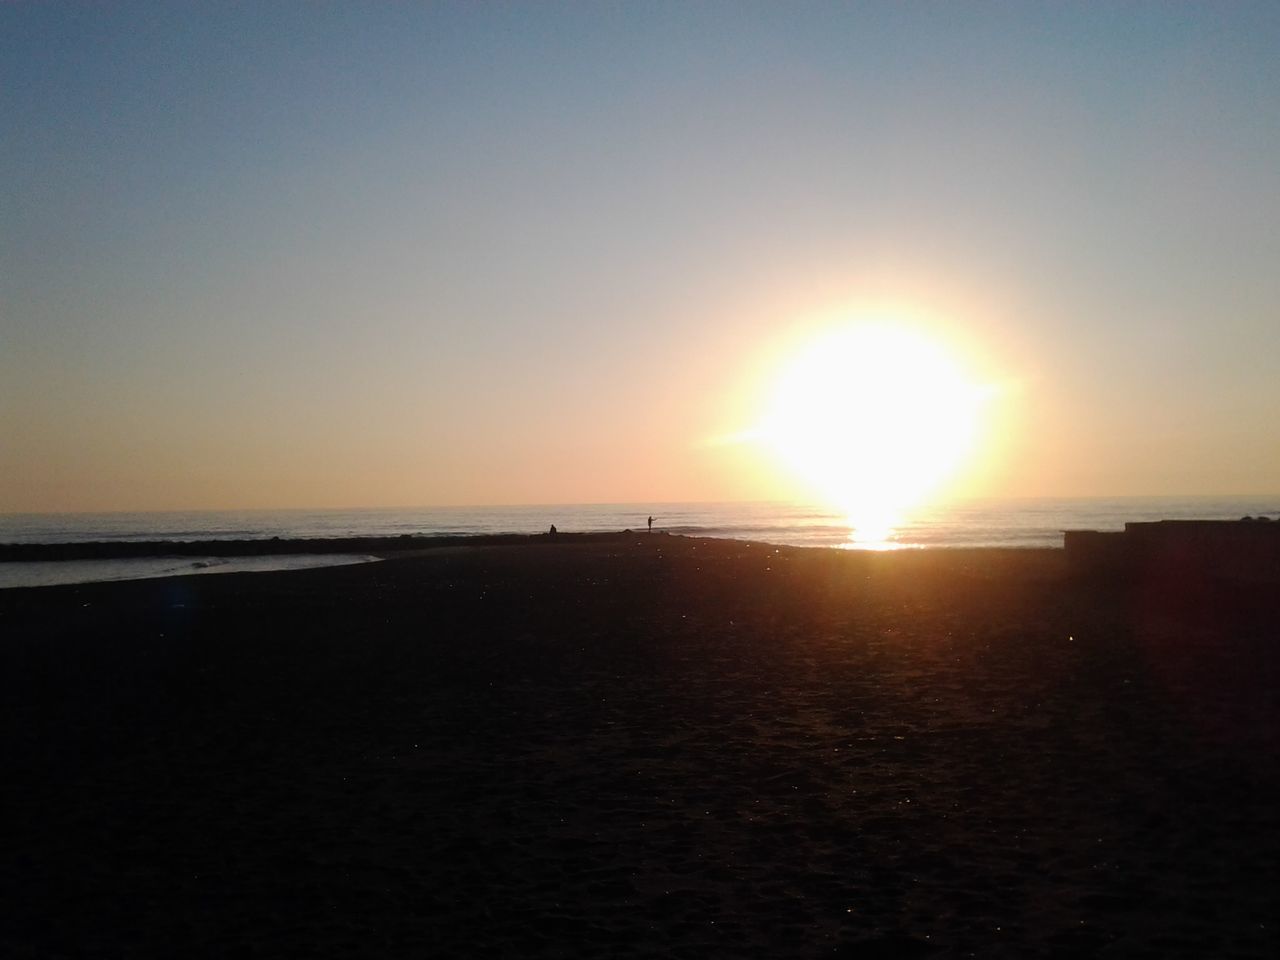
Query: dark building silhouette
1246, 549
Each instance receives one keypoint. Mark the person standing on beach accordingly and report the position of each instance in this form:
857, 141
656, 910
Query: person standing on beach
651, 524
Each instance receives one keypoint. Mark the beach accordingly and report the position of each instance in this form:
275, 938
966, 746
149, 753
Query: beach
643, 746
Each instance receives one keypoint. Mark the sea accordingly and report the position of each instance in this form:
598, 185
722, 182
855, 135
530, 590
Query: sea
971, 523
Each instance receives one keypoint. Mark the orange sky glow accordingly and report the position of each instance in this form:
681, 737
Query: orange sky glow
463, 254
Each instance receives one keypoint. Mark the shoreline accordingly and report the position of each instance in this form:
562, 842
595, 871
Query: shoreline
31, 565
125, 549
28, 574
401, 545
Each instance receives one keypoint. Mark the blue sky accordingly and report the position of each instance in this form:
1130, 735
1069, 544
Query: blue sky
324, 254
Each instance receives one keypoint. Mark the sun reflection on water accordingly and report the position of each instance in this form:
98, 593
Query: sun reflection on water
873, 532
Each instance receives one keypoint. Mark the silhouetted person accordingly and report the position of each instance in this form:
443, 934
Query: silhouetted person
553, 530
651, 524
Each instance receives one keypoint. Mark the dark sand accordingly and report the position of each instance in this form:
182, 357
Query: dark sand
654, 747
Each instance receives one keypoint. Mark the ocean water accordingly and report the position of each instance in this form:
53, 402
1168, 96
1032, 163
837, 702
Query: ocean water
976, 523
55, 573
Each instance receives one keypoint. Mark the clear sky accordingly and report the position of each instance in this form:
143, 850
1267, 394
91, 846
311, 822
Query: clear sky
393, 254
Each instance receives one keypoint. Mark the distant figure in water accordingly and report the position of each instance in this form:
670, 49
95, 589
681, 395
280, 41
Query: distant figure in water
553, 530
651, 524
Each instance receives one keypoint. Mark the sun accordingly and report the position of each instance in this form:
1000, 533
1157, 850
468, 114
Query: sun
872, 418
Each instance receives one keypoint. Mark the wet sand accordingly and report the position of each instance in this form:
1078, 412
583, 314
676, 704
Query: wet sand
642, 747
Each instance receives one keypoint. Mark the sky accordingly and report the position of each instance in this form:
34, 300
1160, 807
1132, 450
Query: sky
310, 255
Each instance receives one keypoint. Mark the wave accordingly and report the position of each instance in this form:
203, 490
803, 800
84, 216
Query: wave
160, 533
693, 530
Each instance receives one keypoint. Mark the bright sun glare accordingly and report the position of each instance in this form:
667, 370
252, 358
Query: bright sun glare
873, 418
